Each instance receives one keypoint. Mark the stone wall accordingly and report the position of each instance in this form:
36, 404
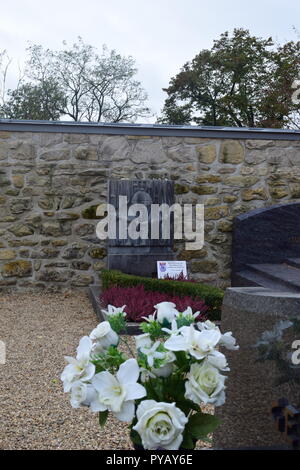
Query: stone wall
50, 184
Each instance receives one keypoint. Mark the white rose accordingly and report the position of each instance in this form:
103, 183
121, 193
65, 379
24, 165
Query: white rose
205, 385
166, 311
104, 336
160, 425
81, 394
218, 360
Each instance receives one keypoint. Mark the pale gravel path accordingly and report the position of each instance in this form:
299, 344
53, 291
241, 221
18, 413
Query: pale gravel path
39, 330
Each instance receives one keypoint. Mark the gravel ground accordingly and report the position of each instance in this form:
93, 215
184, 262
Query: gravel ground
39, 330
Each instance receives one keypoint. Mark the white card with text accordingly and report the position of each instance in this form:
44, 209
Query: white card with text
171, 269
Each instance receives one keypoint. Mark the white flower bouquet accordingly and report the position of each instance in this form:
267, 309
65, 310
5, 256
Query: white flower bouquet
159, 390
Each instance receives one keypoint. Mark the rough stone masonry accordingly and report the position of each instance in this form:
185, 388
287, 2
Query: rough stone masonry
52, 180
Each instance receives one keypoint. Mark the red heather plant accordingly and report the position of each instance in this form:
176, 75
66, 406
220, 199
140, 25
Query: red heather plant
140, 303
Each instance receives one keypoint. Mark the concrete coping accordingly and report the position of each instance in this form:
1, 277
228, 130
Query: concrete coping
163, 130
261, 300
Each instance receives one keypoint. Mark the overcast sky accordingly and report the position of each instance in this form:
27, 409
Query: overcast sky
161, 35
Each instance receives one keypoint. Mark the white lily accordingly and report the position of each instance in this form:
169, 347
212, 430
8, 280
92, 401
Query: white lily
80, 368
228, 341
111, 310
207, 325
152, 353
189, 313
146, 374
198, 344
174, 328
117, 393
150, 318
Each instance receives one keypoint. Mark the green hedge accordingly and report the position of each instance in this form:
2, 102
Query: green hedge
211, 295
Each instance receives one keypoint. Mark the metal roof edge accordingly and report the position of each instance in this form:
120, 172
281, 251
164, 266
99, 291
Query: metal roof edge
71, 127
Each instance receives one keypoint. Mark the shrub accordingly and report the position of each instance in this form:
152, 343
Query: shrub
139, 302
212, 296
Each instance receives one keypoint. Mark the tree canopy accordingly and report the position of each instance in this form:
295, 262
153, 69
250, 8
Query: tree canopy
241, 81
77, 83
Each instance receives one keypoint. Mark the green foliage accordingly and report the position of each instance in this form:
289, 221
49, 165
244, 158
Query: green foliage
134, 436
198, 427
201, 424
117, 322
152, 328
184, 320
78, 83
102, 418
28, 101
181, 360
242, 80
109, 360
211, 295
155, 389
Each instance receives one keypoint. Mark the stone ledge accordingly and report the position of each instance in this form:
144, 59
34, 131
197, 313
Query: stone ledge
273, 302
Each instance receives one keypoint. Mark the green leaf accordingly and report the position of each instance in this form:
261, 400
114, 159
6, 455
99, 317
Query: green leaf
187, 442
103, 417
207, 439
135, 437
158, 388
186, 406
200, 425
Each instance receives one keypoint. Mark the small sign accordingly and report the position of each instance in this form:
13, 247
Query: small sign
171, 269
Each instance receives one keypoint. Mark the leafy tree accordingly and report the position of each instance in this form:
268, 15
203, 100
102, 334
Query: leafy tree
43, 101
78, 83
242, 81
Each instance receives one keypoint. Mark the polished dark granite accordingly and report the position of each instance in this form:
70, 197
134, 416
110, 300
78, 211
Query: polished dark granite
266, 248
140, 256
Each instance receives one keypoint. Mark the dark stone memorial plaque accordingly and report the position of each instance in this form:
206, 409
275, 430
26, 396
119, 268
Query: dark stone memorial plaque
139, 256
266, 248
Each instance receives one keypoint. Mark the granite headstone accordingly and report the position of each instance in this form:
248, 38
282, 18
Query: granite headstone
266, 248
139, 256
